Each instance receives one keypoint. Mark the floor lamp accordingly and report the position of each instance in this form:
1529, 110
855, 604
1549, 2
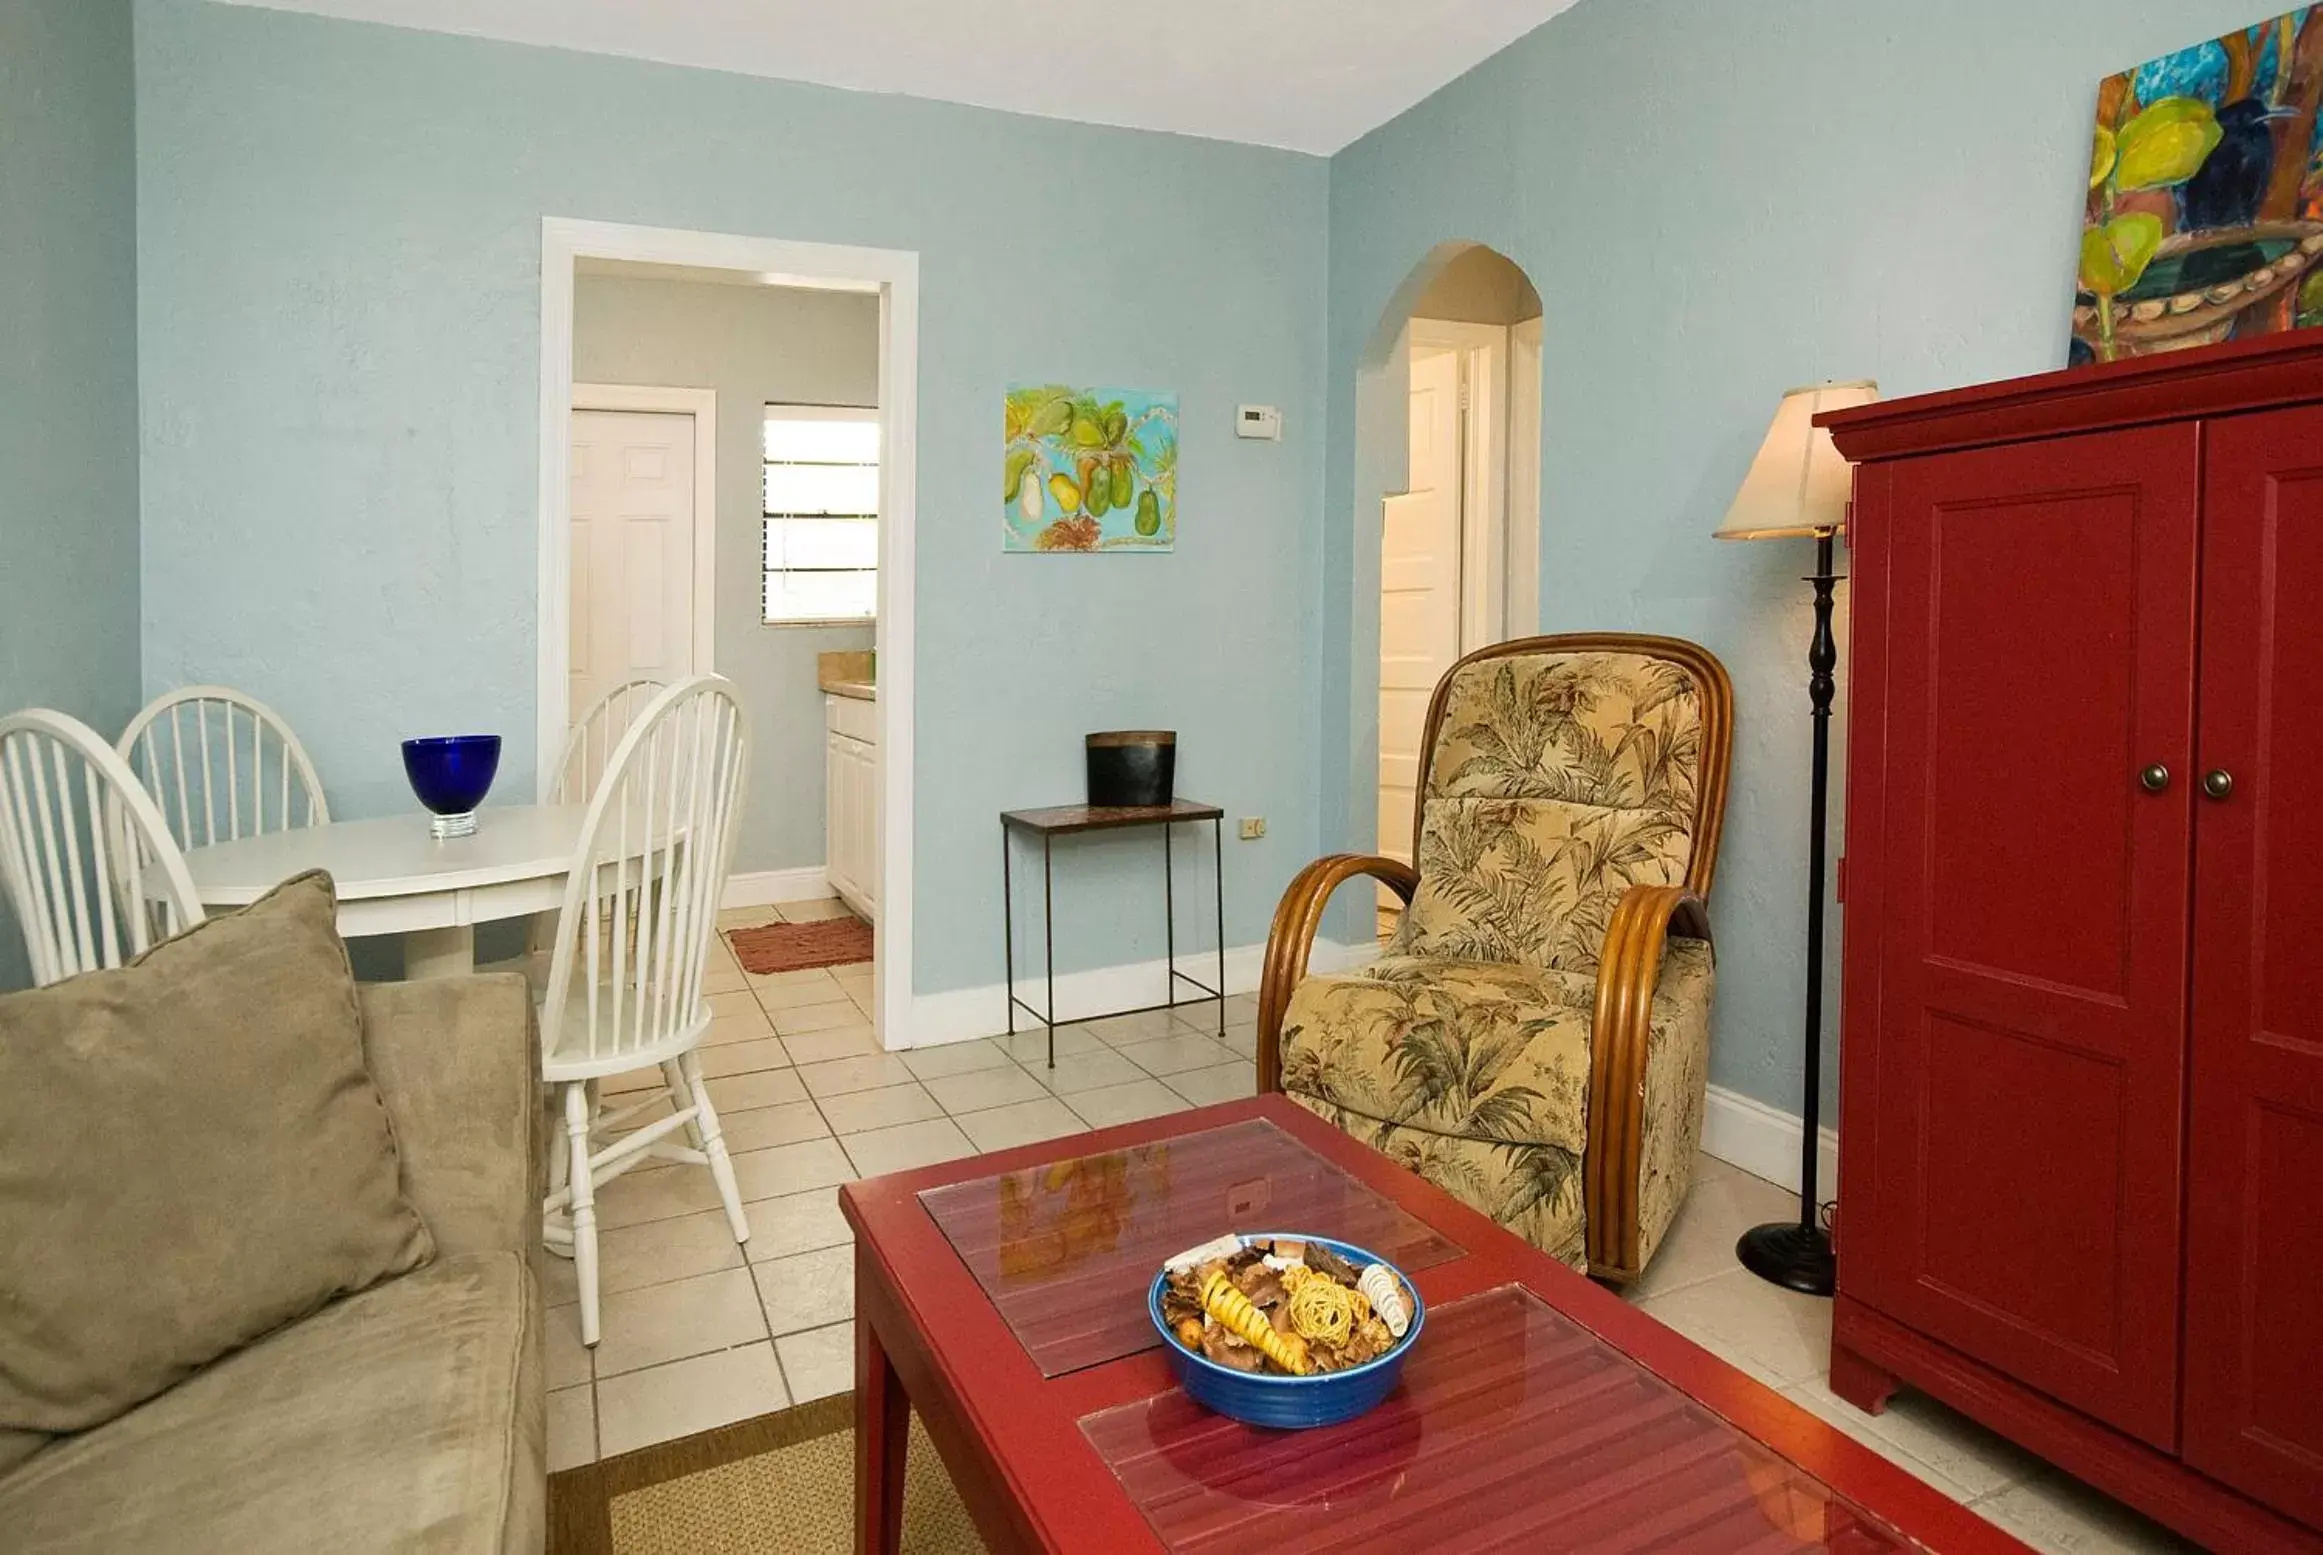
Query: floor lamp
1798, 486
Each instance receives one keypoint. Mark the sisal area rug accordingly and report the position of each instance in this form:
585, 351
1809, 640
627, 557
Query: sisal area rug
780, 1484
794, 947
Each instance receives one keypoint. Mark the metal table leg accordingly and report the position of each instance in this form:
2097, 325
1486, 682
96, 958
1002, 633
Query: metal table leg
1049, 941
1169, 921
1008, 927
1218, 878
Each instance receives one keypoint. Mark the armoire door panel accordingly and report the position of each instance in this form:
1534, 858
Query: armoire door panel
2254, 1238
2032, 960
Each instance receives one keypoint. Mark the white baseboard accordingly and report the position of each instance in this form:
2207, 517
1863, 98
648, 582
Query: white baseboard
765, 887
1764, 1141
965, 1014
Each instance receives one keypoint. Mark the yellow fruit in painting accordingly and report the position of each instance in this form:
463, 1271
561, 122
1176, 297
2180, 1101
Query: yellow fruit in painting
2166, 144
2114, 256
1087, 432
2100, 156
1067, 494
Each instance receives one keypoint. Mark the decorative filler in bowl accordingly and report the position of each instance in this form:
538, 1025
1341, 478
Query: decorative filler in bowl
1284, 1330
451, 775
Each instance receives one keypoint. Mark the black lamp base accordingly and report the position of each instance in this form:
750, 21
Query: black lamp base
1788, 1254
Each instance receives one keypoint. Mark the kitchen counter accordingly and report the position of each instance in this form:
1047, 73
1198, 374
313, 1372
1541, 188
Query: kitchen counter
847, 675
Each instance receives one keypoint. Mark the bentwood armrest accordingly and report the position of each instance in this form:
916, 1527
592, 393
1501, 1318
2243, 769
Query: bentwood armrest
1292, 940
1627, 973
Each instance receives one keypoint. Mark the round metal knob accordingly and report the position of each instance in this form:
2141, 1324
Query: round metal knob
2155, 778
2218, 783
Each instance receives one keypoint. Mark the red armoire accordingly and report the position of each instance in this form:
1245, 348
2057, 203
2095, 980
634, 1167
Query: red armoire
2081, 1062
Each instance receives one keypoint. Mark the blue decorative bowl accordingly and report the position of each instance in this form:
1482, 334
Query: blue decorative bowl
1289, 1403
452, 775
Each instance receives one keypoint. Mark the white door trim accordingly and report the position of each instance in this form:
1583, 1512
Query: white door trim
1523, 586
702, 405
893, 274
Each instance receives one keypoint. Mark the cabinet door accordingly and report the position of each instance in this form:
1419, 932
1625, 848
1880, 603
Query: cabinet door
2038, 653
866, 845
838, 793
2254, 1245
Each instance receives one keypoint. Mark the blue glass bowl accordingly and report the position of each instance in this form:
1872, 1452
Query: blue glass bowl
451, 775
1289, 1403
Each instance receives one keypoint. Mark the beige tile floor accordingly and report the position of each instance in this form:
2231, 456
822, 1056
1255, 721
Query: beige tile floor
699, 1332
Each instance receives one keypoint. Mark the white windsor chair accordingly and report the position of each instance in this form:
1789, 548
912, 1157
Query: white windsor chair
625, 984
221, 766
88, 862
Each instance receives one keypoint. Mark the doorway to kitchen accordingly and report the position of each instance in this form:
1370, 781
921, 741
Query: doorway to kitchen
727, 484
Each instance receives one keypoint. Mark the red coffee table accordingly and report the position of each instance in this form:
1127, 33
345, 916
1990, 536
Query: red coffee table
1003, 1297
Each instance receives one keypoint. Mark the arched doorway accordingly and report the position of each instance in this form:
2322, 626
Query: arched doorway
1448, 450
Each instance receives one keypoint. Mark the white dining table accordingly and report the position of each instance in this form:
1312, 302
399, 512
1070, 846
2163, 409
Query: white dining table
394, 878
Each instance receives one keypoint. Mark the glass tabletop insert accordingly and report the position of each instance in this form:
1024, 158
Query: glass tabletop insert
1514, 1429
1066, 1250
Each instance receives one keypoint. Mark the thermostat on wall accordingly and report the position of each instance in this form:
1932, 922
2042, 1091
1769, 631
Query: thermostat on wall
1260, 421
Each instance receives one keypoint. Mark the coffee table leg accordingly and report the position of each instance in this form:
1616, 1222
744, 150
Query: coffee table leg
882, 1434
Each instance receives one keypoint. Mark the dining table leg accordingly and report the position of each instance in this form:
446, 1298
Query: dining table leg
439, 952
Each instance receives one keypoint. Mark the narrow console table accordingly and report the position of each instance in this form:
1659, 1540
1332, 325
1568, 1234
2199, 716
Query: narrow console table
1070, 820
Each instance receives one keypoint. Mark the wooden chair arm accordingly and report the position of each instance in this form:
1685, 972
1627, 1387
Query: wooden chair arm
1628, 970
1292, 939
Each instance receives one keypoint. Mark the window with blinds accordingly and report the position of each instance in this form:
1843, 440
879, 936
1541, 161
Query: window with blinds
822, 513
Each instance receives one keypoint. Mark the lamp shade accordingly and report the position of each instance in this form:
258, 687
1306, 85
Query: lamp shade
1798, 483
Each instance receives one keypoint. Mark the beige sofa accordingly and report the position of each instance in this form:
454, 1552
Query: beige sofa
409, 1417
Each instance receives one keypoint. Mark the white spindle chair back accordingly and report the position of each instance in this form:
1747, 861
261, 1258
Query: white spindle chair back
221, 765
89, 865
641, 902
589, 748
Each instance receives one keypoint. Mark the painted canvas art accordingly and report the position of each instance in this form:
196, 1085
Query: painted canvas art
1089, 470
2205, 213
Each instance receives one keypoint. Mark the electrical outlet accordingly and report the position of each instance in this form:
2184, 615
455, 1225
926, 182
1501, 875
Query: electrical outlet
1253, 827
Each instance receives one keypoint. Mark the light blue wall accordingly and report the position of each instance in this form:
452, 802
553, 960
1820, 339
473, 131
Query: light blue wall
756, 346
339, 280
1717, 202
68, 370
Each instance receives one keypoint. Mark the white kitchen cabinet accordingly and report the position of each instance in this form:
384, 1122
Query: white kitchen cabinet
851, 802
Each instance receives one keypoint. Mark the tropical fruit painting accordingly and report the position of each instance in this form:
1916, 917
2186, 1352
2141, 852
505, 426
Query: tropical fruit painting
2205, 213
1089, 470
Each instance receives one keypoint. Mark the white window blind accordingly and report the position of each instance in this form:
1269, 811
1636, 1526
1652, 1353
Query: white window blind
822, 513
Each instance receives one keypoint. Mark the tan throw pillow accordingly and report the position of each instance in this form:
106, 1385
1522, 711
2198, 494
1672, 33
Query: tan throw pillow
191, 1154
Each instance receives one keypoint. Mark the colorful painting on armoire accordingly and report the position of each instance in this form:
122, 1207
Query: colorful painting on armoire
2205, 214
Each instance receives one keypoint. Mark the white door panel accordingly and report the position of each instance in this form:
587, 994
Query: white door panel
1419, 594
633, 550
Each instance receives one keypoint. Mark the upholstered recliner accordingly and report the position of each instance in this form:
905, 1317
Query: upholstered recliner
1535, 1039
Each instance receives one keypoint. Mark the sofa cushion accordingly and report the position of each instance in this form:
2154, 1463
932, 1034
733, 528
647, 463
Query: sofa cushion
191, 1155
1557, 782
410, 1417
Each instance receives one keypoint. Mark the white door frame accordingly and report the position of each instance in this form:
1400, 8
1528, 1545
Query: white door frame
893, 274
702, 405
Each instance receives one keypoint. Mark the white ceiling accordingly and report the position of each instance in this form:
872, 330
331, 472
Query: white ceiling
1310, 75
